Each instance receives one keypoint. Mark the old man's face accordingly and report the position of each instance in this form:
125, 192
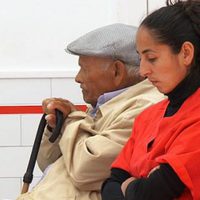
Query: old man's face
94, 77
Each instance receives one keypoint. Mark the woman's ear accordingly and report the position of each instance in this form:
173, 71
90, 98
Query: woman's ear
120, 73
187, 53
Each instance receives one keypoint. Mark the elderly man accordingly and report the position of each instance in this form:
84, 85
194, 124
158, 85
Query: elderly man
78, 162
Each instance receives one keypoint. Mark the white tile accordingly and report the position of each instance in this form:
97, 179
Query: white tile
9, 130
24, 91
24, 47
29, 123
130, 12
14, 161
9, 188
155, 4
68, 89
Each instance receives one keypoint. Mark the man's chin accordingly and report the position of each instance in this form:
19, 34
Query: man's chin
86, 100
89, 101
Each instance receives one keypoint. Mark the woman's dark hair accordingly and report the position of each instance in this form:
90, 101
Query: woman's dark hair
176, 23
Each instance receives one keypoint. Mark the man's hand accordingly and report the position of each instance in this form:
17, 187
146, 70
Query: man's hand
49, 105
125, 184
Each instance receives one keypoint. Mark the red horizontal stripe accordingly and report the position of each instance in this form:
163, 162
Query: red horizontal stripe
28, 109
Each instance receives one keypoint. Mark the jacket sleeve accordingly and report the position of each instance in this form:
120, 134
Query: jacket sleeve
88, 153
49, 152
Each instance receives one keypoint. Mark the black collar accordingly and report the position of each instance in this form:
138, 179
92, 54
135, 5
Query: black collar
183, 90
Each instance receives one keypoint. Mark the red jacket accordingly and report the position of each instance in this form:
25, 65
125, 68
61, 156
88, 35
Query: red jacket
175, 140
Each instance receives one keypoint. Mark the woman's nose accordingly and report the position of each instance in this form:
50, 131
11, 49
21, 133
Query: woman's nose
144, 69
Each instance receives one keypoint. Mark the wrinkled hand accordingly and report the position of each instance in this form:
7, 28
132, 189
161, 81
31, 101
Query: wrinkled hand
126, 183
49, 105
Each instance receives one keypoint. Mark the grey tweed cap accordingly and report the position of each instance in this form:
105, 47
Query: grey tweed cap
116, 41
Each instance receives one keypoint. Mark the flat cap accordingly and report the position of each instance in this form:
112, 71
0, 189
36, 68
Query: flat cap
116, 41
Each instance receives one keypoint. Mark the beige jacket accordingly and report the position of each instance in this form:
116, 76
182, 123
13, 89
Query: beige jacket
82, 157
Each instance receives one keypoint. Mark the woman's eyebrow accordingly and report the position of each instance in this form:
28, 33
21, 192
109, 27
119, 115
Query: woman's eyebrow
146, 51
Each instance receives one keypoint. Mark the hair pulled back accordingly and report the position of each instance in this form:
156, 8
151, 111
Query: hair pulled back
176, 23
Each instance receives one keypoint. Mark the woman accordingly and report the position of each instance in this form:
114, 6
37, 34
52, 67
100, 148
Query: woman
161, 160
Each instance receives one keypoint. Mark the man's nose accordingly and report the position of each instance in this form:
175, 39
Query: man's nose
78, 77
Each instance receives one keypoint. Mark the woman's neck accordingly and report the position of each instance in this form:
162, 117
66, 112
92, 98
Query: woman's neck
183, 90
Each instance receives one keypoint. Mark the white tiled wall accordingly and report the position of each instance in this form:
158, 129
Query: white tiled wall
27, 133
17, 131
24, 91
10, 188
9, 130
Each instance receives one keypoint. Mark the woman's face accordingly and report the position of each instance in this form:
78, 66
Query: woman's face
159, 64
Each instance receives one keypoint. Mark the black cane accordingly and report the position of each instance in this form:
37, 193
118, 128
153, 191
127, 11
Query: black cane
28, 176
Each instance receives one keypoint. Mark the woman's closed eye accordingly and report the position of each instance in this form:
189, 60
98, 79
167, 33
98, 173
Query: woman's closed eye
151, 60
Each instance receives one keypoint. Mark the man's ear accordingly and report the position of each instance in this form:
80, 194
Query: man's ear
120, 73
187, 50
